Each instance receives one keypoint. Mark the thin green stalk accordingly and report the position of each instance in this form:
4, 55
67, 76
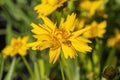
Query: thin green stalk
111, 57
37, 73
41, 68
65, 67
11, 70
97, 56
62, 73
28, 67
1, 68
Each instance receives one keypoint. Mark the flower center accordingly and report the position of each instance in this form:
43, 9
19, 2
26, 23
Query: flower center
17, 45
67, 42
94, 31
55, 43
61, 34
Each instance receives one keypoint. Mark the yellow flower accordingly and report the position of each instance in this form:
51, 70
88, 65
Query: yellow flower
96, 30
48, 6
63, 38
91, 6
114, 40
17, 46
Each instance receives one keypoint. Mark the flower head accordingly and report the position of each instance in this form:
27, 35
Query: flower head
63, 38
96, 30
114, 40
48, 6
17, 46
90, 6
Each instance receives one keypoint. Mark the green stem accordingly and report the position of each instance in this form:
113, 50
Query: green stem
11, 70
37, 73
65, 67
62, 73
28, 67
71, 5
111, 57
1, 68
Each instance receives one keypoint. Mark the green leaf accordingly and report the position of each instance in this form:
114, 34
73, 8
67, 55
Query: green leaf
9, 75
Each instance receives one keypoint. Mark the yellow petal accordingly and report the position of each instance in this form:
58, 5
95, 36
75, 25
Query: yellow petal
44, 1
54, 54
70, 22
13, 40
79, 32
61, 23
102, 25
85, 5
37, 29
68, 51
95, 5
7, 50
45, 9
44, 45
42, 37
22, 52
34, 45
80, 46
79, 24
100, 33
48, 23
83, 40
111, 42
25, 39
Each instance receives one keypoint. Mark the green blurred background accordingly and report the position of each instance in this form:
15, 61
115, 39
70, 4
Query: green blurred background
15, 19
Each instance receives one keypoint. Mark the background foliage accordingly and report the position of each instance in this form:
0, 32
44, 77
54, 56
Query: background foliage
15, 19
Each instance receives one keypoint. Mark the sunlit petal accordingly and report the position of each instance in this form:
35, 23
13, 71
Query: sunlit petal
54, 54
68, 51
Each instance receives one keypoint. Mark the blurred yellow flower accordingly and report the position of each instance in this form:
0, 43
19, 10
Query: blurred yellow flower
80, 23
63, 38
96, 30
48, 6
91, 6
17, 46
114, 40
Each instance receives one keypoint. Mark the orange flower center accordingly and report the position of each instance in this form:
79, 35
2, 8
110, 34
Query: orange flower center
17, 45
94, 31
61, 36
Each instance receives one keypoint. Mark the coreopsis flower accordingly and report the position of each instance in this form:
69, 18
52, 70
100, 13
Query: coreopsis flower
114, 40
17, 46
46, 7
96, 30
90, 6
63, 38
